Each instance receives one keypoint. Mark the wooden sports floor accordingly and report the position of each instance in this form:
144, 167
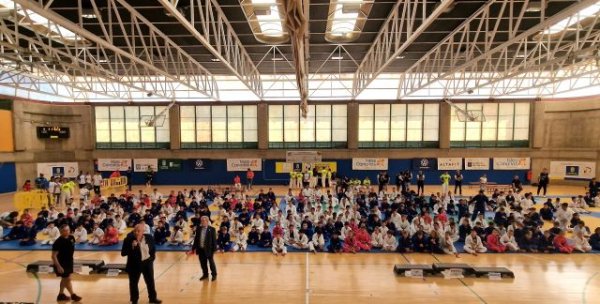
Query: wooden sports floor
260, 277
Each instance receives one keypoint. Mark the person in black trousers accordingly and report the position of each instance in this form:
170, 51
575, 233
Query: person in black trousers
140, 252
480, 201
129, 174
458, 179
543, 181
205, 245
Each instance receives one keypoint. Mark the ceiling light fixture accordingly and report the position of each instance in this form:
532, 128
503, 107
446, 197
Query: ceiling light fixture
337, 57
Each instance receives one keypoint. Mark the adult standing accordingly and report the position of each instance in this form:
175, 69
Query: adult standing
445, 178
149, 176
205, 245
543, 181
97, 182
249, 178
420, 183
480, 200
382, 180
458, 180
62, 258
140, 252
129, 174
41, 183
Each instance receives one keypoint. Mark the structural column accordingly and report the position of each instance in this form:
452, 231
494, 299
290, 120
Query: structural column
536, 125
352, 125
174, 127
445, 114
263, 126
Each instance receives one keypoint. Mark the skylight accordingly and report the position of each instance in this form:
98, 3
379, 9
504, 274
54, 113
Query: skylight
346, 19
570, 22
36, 21
266, 20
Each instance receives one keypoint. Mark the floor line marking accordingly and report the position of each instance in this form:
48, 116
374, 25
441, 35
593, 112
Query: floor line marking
307, 291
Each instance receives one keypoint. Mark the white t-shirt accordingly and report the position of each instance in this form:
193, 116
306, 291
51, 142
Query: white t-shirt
81, 179
97, 179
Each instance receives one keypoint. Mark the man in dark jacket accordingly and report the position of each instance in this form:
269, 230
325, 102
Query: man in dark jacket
205, 245
140, 252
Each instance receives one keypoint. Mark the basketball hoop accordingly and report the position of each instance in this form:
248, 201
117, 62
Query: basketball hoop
469, 115
151, 121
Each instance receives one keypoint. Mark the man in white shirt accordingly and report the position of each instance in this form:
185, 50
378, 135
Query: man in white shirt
97, 180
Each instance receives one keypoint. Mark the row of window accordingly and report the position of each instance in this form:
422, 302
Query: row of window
379, 126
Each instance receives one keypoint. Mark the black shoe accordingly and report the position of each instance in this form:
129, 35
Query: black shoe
214, 278
204, 277
155, 301
75, 298
62, 297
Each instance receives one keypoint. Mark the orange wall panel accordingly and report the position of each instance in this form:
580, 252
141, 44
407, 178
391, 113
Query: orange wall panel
6, 132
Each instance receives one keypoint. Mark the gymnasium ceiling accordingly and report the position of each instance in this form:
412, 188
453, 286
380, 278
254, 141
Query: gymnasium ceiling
450, 48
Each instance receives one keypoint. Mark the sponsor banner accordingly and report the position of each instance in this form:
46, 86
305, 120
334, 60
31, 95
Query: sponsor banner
242, 164
170, 164
199, 164
424, 164
142, 164
572, 170
370, 163
512, 163
284, 167
477, 163
69, 170
113, 164
449, 163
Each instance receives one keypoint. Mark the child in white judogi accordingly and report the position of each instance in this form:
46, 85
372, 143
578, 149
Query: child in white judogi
176, 237
580, 243
389, 242
301, 242
241, 242
563, 215
120, 224
377, 238
279, 246
317, 243
448, 244
258, 223
97, 235
473, 244
508, 240
53, 234
80, 235
291, 235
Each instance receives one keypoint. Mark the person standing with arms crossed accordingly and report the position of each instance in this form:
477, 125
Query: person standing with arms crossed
62, 258
249, 178
205, 245
420, 183
458, 179
140, 252
543, 181
445, 178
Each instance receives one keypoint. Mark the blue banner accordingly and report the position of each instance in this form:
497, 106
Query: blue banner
424, 164
199, 164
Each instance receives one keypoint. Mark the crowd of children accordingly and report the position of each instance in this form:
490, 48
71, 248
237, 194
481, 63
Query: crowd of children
323, 216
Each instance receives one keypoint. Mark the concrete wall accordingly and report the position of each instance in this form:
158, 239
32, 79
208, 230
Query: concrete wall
560, 130
30, 150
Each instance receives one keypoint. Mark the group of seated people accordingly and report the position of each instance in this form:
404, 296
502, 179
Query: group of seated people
346, 219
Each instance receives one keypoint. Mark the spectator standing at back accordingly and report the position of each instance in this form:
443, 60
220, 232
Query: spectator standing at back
543, 181
458, 179
81, 179
249, 178
129, 174
420, 183
149, 176
517, 186
97, 180
445, 178
41, 182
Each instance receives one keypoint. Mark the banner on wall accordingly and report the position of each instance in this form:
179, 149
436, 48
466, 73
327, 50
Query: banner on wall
199, 164
242, 164
424, 163
113, 164
512, 163
170, 164
370, 163
285, 167
142, 164
69, 170
476, 163
572, 170
449, 163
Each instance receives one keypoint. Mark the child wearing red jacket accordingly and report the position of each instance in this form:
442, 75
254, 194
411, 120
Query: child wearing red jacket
561, 243
493, 242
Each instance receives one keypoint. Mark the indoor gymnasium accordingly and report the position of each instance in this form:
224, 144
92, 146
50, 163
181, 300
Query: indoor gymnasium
299, 151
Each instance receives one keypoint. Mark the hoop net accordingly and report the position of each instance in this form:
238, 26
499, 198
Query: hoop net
150, 121
470, 116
